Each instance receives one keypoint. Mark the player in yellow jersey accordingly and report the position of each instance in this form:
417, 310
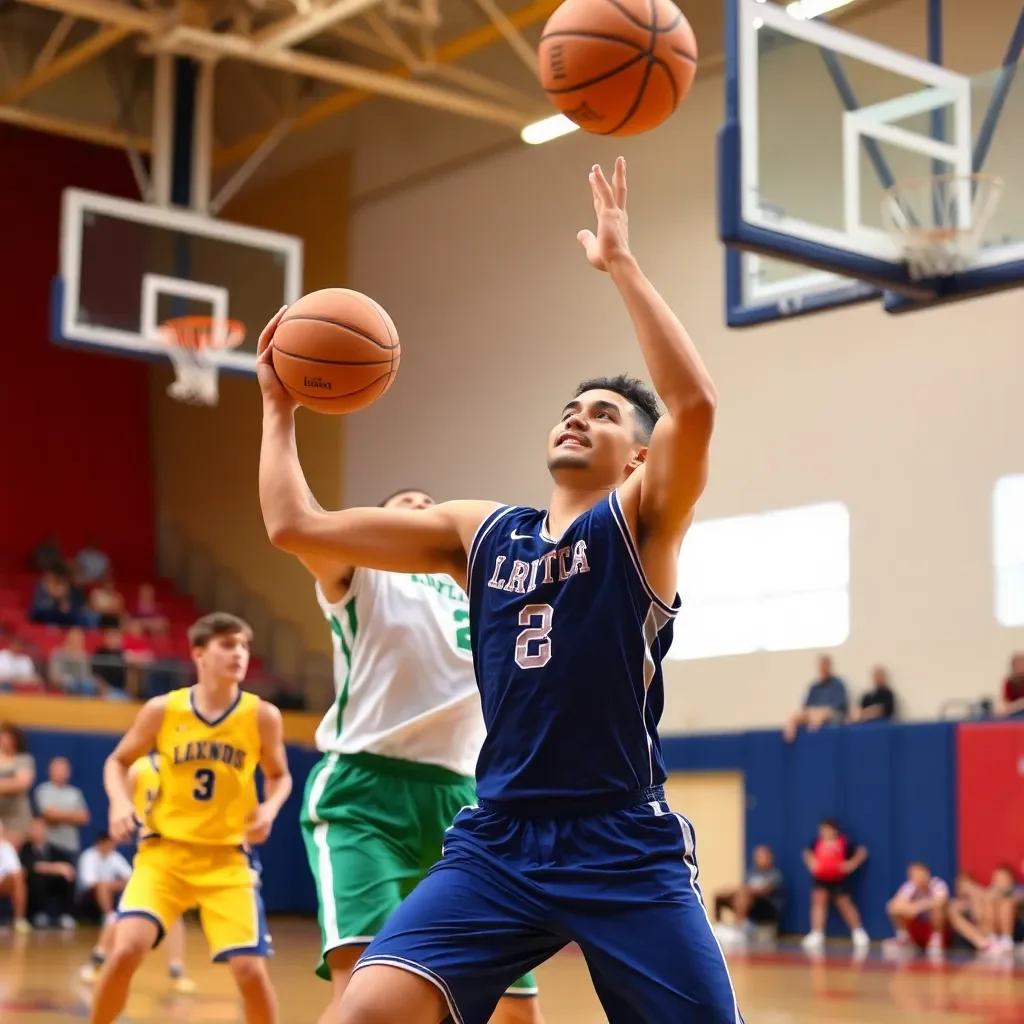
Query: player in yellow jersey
144, 785
195, 849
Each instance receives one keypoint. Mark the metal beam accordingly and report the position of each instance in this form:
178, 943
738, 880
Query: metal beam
298, 27
453, 51
500, 20
101, 135
107, 12
203, 43
99, 42
56, 40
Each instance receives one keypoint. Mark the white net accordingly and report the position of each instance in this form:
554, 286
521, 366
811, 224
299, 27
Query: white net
939, 221
190, 342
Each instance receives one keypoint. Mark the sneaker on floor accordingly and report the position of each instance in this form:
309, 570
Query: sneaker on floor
40, 921
22, 927
861, 939
936, 948
89, 972
183, 984
813, 940
67, 922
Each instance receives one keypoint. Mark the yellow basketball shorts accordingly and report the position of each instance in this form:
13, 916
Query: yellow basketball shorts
170, 877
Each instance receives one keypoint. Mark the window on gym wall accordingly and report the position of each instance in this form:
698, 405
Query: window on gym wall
1008, 548
774, 581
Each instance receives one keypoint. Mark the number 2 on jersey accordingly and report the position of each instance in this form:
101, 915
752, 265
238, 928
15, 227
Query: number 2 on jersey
537, 619
204, 778
462, 639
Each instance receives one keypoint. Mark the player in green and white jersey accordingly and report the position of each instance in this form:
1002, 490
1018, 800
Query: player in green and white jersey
400, 746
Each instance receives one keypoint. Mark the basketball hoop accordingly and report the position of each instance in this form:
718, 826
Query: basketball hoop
938, 221
190, 342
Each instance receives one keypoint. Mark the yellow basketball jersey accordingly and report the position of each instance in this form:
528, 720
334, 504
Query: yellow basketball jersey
147, 788
207, 771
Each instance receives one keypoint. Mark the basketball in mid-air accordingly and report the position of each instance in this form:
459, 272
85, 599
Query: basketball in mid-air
336, 350
617, 67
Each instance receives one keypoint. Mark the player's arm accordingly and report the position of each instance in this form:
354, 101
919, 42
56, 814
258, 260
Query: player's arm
277, 779
675, 470
138, 741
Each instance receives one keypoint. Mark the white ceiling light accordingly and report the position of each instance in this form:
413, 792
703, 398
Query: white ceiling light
803, 10
548, 129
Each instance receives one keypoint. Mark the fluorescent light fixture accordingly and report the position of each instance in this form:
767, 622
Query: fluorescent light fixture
803, 10
548, 129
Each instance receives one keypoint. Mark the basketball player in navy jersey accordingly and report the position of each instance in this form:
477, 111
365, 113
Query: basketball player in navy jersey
571, 612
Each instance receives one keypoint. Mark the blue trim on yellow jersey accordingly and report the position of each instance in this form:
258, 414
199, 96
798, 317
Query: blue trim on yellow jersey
199, 714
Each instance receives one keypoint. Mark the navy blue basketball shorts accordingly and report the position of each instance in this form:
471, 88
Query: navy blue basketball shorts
510, 892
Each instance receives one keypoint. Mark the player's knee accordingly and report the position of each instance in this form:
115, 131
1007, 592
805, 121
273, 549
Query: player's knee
249, 971
127, 955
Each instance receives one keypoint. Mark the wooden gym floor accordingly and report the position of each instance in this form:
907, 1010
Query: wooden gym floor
39, 985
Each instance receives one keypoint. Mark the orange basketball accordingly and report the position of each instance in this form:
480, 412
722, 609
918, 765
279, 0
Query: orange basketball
336, 351
617, 67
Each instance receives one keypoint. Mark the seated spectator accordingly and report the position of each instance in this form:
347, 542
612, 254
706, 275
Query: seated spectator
879, 703
91, 563
148, 613
109, 665
826, 701
70, 666
1013, 689
48, 557
1007, 897
17, 774
49, 878
831, 858
12, 883
107, 604
918, 910
62, 808
102, 875
54, 605
971, 914
16, 666
758, 901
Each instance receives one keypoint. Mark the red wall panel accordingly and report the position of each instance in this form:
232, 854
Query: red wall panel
990, 796
75, 445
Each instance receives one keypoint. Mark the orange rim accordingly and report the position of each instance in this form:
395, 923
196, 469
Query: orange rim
196, 332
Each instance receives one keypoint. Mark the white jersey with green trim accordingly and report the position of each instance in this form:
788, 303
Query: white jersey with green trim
403, 671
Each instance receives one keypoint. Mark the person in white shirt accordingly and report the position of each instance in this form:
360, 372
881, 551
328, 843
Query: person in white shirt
12, 884
15, 665
102, 875
918, 911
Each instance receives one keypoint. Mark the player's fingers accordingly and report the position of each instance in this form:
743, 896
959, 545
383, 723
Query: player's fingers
619, 182
267, 334
601, 186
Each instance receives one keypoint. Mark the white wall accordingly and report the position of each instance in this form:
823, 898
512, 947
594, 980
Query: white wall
908, 420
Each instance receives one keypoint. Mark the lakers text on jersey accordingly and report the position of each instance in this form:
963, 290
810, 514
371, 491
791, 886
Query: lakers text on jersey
193, 852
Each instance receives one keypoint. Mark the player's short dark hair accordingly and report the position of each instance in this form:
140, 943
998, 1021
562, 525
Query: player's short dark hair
406, 490
203, 630
920, 864
17, 735
638, 394
829, 823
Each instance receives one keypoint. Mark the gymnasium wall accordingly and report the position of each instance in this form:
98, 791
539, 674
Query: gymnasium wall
75, 449
909, 421
206, 460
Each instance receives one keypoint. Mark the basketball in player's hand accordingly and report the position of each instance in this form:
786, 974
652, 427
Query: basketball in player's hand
336, 351
617, 67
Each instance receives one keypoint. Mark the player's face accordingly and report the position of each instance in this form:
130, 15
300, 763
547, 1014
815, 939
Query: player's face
225, 657
415, 500
919, 876
595, 434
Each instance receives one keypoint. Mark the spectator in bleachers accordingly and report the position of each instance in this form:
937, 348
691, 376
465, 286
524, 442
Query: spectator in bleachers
831, 858
107, 603
102, 875
757, 902
879, 703
54, 605
71, 667
92, 564
47, 555
918, 911
1012, 704
63, 808
148, 613
49, 878
108, 663
826, 701
12, 882
17, 774
16, 667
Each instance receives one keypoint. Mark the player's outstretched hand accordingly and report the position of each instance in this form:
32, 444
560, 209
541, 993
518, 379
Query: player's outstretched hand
258, 825
612, 238
122, 822
270, 384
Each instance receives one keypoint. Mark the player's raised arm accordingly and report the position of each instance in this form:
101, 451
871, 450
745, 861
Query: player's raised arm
395, 540
138, 741
675, 471
277, 779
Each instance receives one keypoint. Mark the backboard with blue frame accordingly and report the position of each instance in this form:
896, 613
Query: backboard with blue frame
819, 123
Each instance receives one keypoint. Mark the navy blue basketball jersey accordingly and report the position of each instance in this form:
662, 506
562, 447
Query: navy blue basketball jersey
568, 639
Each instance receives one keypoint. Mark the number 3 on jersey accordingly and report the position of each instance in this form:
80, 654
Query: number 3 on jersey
203, 779
533, 645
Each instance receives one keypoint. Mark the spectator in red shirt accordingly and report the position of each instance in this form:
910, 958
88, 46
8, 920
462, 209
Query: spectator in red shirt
831, 858
918, 910
1013, 689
